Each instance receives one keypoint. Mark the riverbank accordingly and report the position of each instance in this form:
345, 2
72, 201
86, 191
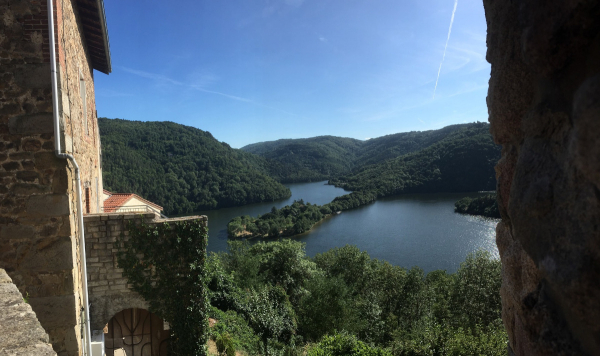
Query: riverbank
294, 219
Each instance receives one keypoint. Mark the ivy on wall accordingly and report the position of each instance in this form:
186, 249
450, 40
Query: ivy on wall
165, 264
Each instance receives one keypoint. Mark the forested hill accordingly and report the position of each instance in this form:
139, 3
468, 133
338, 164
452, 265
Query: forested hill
182, 168
454, 158
309, 159
461, 161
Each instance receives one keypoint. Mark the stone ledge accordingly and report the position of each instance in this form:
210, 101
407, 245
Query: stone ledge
21, 333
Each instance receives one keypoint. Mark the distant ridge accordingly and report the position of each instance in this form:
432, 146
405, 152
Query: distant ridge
185, 169
370, 165
182, 168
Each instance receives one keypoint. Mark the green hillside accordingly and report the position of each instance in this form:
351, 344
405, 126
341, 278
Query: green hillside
182, 168
454, 158
310, 159
461, 161
383, 148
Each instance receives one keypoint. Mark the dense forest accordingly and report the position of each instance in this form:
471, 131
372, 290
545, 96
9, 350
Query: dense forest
308, 159
462, 161
182, 168
270, 298
185, 169
486, 205
456, 156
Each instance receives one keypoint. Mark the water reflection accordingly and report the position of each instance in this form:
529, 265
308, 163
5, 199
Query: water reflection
410, 230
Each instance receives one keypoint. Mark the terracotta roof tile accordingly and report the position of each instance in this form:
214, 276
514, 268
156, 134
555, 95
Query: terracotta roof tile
116, 200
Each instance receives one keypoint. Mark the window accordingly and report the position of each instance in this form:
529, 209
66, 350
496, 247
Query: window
83, 103
87, 200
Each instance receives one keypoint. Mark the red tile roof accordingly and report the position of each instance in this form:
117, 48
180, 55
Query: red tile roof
116, 200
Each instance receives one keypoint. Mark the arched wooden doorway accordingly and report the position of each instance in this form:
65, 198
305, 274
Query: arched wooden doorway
136, 332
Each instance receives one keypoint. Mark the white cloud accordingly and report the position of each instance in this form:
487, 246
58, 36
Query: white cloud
162, 80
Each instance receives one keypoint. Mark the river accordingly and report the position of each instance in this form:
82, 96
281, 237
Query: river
409, 230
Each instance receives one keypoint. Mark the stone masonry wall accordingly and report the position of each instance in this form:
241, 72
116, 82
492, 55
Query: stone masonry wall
83, 143
38, 230
544, 107
21, 333
108, 289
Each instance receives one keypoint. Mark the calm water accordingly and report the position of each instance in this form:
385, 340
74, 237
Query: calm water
410, 230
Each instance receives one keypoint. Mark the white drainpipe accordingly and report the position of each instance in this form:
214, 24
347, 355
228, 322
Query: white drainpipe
60, 154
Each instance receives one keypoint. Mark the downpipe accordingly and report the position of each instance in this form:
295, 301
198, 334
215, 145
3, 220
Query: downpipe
60, 154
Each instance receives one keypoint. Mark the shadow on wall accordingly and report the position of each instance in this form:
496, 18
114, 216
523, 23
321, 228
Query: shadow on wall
544, 105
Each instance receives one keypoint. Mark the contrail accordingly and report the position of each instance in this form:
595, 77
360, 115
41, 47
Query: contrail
444, 56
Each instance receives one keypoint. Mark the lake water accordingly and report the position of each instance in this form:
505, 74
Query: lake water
409, 230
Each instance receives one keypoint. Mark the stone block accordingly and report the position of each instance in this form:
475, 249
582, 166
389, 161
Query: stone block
11, 166
90, 229
51, 254
30, 189
35, 75
17, 156
17, 232
57, 311
29, 165
48, 205
28, 176
99, 288
32, 145
46, 160
31, 124
60, 180
22, 334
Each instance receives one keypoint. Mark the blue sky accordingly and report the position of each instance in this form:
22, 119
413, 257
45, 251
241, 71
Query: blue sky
260, 70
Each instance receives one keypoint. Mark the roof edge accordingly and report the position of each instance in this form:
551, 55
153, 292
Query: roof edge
102, 18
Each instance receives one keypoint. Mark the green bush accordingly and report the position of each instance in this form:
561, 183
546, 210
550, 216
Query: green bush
235, 325
225, 345
345, 345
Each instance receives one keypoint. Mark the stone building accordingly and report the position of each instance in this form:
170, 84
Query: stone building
39, 231
51, 181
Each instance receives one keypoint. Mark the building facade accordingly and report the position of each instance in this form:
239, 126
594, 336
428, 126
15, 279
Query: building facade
39, 233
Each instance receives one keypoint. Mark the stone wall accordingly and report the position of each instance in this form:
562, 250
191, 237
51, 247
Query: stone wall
21, 332
38, 230
108, 289
544, 107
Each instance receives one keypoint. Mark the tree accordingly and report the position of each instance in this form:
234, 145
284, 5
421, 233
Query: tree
270, 314
325, 308
345, 345
284, 263
475, 298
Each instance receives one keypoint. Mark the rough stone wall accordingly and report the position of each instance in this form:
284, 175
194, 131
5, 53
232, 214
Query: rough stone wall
79, 138
20, 332
38, 230
108, 289
544, 107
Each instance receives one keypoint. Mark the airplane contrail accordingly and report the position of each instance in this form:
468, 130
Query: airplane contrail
444, 56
